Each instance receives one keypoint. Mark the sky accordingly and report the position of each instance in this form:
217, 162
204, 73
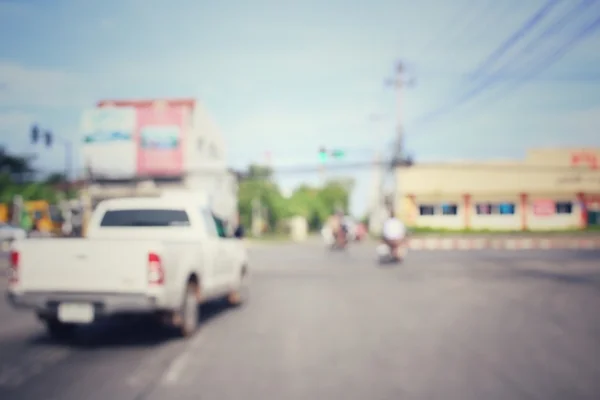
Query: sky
289, 77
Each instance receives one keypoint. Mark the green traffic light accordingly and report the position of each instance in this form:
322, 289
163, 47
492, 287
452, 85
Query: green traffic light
322, 154
338, 153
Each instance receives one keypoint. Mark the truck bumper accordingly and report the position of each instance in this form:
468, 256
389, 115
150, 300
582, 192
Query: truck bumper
105, 304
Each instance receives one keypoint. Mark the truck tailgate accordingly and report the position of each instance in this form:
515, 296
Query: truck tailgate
84, 265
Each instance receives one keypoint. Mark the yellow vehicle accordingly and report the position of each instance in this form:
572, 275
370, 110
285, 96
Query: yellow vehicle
40, 213
47, 217
3, 213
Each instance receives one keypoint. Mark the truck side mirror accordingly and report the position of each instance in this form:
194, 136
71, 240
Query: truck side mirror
239, 232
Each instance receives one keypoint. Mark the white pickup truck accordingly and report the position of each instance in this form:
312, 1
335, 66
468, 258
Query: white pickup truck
154, 256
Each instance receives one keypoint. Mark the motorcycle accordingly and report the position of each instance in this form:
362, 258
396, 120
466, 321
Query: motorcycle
385, 255
330, 240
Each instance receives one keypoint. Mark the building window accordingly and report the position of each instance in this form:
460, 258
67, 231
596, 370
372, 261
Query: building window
426, 210
449, 209
483, 209
495, 208
507, 208
564, 207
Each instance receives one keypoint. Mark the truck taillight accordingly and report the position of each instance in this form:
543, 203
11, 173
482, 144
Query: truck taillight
13, 276
156, 274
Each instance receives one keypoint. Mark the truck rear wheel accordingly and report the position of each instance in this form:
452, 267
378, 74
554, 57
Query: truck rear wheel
240, 295
59, 330
190, 312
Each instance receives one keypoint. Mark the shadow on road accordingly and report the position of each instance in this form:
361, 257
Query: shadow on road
499, 274
134, 332
588, 279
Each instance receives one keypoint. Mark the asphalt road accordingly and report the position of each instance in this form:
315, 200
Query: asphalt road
446, 325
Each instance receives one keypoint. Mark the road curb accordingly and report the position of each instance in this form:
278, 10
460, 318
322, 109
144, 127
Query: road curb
504, 244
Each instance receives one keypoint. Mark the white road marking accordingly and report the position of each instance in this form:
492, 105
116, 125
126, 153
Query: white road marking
152, 365
175, 369
178, 365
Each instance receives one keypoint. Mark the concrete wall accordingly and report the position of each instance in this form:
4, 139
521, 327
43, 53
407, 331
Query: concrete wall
205, 147
523, 216
438, 219
557, 175
495, 220
557, 221
206, 164
483, 179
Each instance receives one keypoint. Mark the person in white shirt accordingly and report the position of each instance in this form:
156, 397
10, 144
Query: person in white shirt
394, 233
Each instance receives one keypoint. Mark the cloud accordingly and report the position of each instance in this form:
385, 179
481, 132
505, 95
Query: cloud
22, 86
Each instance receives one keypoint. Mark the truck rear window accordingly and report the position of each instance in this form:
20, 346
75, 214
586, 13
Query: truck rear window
147, 218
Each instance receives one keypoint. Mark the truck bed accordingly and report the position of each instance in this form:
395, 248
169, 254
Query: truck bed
84, 265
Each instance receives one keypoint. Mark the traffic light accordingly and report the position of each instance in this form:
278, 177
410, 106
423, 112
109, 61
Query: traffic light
322, 154
35, 134
48, 138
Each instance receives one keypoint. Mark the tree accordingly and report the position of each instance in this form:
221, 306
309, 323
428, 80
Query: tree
256, 171
257, 186
55, 179
16, 173
316, 204
305, 201
336, 194
313, 203
19, 168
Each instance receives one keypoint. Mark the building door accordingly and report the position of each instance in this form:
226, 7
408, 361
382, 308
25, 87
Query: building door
593, 218
593, 211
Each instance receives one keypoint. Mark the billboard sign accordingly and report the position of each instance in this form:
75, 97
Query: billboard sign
108, 141
160, 141
543, 208
585, 158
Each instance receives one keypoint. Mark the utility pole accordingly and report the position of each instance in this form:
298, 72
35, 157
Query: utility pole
376, 198
399, 81
323, 156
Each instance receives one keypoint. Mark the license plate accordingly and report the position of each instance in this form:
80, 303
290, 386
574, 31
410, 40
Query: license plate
76, 312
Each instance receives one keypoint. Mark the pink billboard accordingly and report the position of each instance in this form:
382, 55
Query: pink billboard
160, 134
544, 207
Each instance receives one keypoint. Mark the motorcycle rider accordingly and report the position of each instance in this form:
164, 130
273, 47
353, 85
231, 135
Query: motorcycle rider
338, 228
394, 234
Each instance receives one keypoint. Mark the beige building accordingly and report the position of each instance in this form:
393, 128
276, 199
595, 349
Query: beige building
550, 189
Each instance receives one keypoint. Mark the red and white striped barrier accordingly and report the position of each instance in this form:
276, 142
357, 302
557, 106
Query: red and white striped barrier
504, 243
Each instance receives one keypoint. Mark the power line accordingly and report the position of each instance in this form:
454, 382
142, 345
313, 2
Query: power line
474, 166
512, 40
557, 26
485, 83
549, 60
242, 175
582, 77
